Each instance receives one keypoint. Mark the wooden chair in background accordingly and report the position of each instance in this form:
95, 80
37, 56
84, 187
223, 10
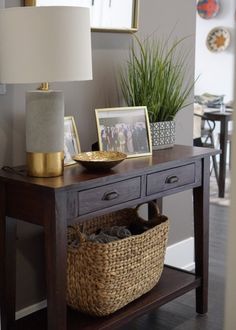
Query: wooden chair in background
204, 136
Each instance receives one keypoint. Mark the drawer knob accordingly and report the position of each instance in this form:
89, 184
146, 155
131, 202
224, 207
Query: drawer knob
108, 196
172, 179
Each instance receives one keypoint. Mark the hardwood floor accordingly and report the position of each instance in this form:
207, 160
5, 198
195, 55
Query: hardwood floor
180, 313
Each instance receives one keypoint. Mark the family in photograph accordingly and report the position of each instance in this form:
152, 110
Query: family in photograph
125, 137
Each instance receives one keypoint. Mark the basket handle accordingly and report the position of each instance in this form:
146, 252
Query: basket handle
78, 233
154, 207
157, 217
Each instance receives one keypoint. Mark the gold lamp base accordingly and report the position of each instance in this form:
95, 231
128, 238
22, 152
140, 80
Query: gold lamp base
45, 165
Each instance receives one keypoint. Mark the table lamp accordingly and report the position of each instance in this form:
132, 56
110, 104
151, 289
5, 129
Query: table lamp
45, 44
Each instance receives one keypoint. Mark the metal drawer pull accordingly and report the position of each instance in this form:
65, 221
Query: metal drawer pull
108, 196
172, 179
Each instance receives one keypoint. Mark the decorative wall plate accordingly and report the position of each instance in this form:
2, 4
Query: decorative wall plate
218, 39
208, 8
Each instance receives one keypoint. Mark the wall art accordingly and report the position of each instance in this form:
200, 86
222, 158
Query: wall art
218, 39
208, 8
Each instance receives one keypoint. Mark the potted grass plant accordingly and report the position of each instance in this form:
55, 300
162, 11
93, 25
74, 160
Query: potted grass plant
155, 76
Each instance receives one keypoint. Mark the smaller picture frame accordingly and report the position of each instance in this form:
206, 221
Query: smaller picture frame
125, 130
71, 141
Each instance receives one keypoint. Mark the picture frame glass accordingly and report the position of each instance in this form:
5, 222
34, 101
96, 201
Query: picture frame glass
104, 15
125, 130
71, 141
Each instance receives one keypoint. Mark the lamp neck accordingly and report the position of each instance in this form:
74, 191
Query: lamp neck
44, 87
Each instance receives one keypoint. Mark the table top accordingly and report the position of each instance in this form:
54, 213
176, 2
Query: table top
217, 112
76, 174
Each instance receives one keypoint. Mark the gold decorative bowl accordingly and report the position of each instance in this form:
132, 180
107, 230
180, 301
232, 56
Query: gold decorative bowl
99, 160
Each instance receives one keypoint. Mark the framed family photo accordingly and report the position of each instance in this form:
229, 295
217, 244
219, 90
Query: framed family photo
124, 129
71, 141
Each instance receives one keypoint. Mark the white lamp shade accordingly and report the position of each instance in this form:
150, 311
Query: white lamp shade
45, 44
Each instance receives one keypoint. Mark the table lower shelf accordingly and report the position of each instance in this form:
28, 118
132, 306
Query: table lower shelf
173, 283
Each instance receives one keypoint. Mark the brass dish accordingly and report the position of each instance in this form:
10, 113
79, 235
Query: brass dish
99, 160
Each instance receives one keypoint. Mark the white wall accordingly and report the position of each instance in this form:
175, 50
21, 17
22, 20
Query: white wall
215, 70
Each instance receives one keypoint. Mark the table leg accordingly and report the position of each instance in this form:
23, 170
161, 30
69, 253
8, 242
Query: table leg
201, 229
8, 267
55, 229
223, 147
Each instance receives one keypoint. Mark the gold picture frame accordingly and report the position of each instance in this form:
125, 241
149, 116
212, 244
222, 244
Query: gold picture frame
124, 129
134, 18
71, 141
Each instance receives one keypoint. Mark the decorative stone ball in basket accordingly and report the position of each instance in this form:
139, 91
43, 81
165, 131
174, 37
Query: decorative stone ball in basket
104, 277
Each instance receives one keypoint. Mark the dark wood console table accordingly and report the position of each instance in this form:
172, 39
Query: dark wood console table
56, 202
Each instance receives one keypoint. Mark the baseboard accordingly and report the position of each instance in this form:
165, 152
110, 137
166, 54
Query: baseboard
31, 309
181, 254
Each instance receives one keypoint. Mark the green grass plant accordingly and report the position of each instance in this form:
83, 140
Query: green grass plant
155, 76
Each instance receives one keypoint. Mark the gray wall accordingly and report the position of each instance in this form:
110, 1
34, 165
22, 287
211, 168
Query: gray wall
109, 52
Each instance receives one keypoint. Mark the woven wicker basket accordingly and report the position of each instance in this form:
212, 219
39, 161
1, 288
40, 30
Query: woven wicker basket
103, 277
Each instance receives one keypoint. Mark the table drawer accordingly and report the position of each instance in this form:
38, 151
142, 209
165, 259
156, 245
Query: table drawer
108, 195
169, 179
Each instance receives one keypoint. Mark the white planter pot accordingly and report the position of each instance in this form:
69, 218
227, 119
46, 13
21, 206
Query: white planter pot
163, 134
